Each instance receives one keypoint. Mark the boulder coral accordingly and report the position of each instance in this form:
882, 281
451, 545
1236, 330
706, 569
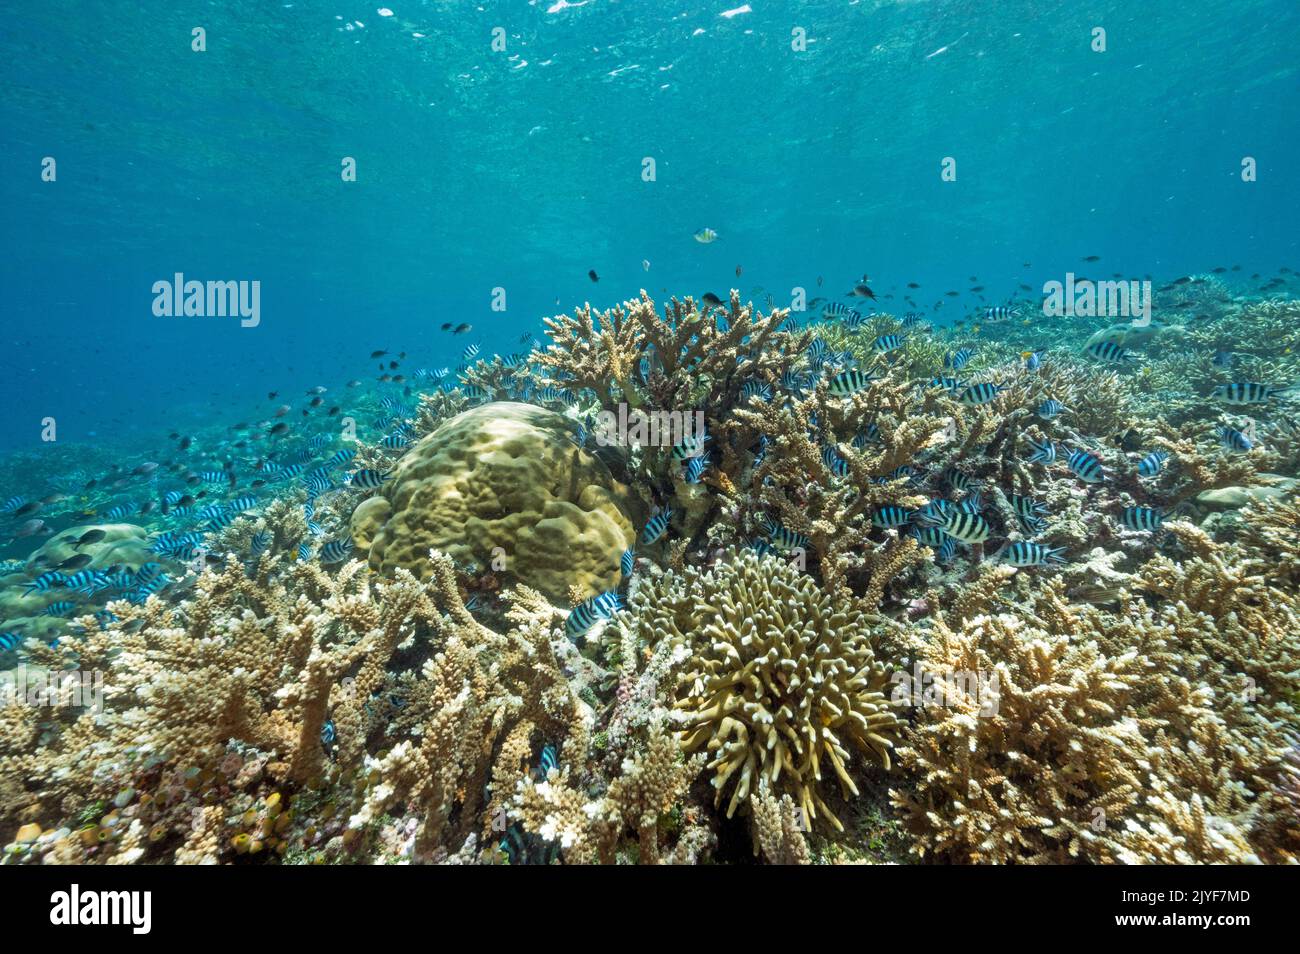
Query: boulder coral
504, 488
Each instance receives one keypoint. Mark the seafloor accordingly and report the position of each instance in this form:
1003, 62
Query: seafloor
886, 620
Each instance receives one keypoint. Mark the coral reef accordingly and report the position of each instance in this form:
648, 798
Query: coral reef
965, 594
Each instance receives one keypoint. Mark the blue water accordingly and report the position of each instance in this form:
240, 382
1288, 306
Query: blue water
522, 170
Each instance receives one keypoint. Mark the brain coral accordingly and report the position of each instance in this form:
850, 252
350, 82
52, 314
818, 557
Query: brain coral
777, 679
502, 475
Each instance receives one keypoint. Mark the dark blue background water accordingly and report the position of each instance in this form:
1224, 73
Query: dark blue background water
522, 170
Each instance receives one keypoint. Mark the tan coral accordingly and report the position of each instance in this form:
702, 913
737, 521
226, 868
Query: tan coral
502, 487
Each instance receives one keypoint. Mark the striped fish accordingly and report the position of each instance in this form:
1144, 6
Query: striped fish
695, 469
341, 457
692, 446
956, 479
959, 359
368, 478
947, 384
10, 641
336, 550
655, 527
849, 382
590, 612
966, 527
1232, 439
1025, 553
868, 435
1246, 392
44, 582
1086, 466
550, 760
12, 504
59, 608
889, 515
1026, 506
627, 562
997, 313
836, 464
1049, 409
755, 388
1141, 518
1152, 464
1044, 452
1110, 351
887, 343
981, 393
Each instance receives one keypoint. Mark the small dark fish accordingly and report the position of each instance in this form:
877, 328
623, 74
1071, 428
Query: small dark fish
90, 536
1092, 258
711, 299
593, 276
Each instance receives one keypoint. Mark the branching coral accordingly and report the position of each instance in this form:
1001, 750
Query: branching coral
778, 682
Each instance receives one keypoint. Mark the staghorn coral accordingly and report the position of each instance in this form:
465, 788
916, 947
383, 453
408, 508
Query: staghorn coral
1149, 733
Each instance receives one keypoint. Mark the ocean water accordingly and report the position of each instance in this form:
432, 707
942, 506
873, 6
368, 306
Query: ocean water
521, 169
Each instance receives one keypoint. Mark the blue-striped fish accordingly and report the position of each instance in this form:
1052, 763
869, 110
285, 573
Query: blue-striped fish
1086, 466
59, 608
786, 539
1141, 518
755, 388
848, 382
10, 641
336, 550
1232, 439
958, 359
1044, 452
836, 464
889, 515
695, 469
995, 313
44, 582
550, 760
947, 384
1049, 409
982, 393
1026, 506
1152, 464
368, 478
655, 527
590, 612
888, 343
12, 504
627, 562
